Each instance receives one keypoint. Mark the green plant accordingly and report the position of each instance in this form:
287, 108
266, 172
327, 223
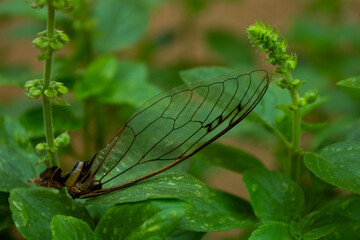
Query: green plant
48, 42
297, 202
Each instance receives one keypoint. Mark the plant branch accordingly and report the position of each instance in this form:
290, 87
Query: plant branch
48, 122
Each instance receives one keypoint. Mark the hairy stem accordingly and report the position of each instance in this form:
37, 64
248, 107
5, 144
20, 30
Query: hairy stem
48, 122
296, 133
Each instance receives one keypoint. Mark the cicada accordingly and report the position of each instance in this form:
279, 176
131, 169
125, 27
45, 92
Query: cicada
162, 133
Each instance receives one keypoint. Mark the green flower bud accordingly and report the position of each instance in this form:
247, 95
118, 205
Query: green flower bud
55, 84
61, 102
62, 37
281, 82
35, 91
43, 33
44, 158
50, 92
281, 70
56, 45
28, 95
62, 140
30, 83
36, 3
40, 147
41, 42
293, 107
58, 3
62, 89
311, 96
282, 107
282, 49
302, 102
291, 64
295, 83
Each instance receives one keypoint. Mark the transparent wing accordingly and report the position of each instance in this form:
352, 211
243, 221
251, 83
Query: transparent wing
176, 124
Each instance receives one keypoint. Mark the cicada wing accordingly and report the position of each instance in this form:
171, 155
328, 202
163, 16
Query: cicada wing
176, 124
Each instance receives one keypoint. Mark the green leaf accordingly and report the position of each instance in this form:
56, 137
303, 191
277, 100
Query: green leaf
64, 118
337, 164
144, 220
350, 232
165, 185
349, 208
50, 92
230, 48
13, 134
130, 85
345, 130
311, 107
97, 211
219, 155
265, 112
16, 167
120, 24
352, 82
202, 73
273, 196
33, 209
312, 126
5, 214
350, 132
285, 123
223, 212
70, 228
272, 230
98, 75
321, 223
346, 212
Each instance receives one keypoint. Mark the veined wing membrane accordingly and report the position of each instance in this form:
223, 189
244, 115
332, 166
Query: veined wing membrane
176, 124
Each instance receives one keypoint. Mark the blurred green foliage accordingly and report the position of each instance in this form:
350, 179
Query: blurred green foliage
111, 69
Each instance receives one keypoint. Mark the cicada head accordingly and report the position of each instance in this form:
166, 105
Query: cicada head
50, 178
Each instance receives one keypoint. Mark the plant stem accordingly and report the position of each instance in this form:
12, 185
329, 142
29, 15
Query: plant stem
296, 133
48, 122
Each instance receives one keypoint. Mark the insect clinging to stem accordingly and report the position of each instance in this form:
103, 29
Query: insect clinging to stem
165, 131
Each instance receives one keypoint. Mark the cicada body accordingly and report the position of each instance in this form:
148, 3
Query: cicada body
164, 132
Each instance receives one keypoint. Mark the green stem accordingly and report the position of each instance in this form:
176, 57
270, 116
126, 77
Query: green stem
48, 122
296, 132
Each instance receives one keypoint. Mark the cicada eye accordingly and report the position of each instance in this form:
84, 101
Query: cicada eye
45, 184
